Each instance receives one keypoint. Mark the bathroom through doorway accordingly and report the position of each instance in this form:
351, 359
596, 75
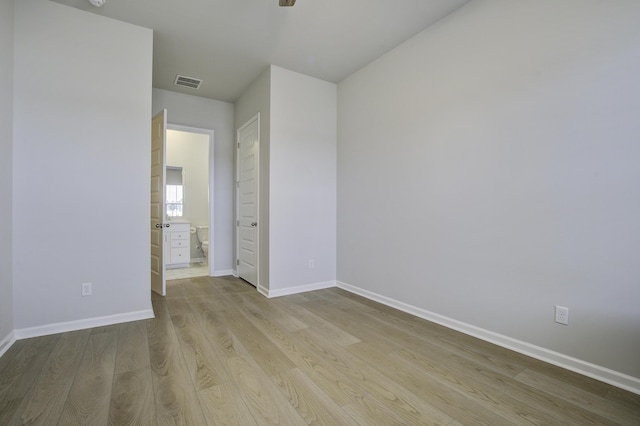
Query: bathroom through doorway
189, 202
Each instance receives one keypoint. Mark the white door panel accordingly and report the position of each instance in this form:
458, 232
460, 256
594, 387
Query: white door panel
248, 211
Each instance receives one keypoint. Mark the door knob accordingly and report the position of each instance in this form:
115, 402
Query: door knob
254, 224
158, 225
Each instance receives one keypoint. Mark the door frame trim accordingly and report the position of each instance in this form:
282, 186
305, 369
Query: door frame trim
163, 278
237, 192
211, 192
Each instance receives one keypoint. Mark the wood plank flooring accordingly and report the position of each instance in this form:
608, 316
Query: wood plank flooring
219, 353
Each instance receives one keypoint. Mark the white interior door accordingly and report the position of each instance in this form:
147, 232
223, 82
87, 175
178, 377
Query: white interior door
247, 196
158, 178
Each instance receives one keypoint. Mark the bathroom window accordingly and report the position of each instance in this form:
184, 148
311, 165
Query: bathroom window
175, 192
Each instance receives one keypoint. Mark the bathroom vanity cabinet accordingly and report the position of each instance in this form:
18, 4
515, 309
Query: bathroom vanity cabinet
178, 245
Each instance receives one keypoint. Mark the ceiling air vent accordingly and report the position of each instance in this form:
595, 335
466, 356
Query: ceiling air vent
192, 83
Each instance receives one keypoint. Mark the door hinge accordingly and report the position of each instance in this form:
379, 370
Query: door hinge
237, 223
238, 145
237, 262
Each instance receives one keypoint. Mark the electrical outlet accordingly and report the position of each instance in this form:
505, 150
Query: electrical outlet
312, 264
562, 315
86, 289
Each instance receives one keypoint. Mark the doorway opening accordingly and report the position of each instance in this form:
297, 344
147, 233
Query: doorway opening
189, 249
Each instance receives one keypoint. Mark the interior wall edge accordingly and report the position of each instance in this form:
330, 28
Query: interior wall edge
7, 342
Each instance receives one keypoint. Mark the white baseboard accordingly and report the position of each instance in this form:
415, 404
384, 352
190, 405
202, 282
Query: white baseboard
297, 289
621, 380
7, 341
263, 291
224, 273
63, 327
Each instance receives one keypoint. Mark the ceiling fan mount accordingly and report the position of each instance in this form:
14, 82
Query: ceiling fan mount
287, 2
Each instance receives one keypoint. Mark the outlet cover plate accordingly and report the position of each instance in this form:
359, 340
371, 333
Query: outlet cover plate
562, 315
86, 289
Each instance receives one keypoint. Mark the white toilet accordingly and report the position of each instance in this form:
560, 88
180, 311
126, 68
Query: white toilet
203, 236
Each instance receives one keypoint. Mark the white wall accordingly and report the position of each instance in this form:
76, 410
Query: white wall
218, 116
6, 144
297, 220
302, 201
191, 152
81, 167
256, 99
488, 170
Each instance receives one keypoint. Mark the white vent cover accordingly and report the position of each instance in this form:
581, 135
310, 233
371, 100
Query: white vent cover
191, 82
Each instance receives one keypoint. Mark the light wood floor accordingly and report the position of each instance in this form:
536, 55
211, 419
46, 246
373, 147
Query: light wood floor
220, 353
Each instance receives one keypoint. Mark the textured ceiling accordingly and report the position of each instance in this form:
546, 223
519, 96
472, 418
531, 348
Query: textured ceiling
227, 43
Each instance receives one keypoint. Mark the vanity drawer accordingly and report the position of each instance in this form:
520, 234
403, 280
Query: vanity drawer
180, 255
179, 235
179, 243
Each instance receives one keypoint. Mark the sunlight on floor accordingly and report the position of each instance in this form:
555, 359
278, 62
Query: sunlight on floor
194, 270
